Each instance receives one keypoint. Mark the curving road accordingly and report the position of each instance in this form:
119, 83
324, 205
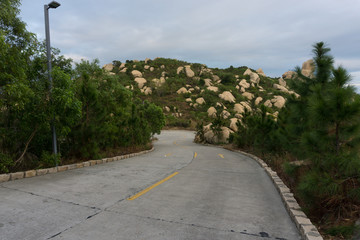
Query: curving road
180, 191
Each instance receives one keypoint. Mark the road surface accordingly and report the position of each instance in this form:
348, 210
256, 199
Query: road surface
180, 191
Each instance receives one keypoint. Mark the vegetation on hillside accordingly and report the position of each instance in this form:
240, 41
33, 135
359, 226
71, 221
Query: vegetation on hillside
322, 129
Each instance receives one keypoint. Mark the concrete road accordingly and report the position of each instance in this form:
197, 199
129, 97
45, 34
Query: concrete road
191, 192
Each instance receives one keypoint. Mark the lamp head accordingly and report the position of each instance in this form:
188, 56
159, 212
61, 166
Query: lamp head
54, 4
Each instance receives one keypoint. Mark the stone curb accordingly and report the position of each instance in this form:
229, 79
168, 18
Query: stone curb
307, 230
40, 172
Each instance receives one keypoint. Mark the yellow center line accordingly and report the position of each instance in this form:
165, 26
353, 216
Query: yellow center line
153, 186
168, 155
222, 156
195, 155
175, 143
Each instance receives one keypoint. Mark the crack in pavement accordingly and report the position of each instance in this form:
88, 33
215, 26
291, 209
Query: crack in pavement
55, 199
244, 232
66, 229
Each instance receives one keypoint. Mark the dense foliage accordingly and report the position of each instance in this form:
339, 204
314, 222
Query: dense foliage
92, 110
322, 127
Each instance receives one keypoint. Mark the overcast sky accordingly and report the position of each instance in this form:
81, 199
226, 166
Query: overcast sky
275, 35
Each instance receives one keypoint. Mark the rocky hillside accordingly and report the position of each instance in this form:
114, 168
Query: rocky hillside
192, 93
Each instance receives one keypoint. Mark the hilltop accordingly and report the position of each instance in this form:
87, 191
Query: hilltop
192, 94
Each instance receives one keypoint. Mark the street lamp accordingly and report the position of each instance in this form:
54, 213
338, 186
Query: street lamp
53, 4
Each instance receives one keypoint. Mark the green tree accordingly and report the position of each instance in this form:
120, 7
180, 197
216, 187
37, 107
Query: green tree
26, 109
323, 126
155, 117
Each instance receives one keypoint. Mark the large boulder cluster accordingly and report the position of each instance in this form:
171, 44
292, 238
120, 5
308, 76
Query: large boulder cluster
251, 90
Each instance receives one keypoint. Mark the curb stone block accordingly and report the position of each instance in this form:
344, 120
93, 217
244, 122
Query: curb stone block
288, 195
52, 170
92, 162
111, 159
40, 172
104, 160
284, 190
86, 164
4, 177
62, 168
292, 205
313, 236
79, 165
17, 175
99, 161
305, 229
297, 213
30, 173
302, 221
71, 166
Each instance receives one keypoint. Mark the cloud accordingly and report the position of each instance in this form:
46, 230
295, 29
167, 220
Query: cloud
274, 35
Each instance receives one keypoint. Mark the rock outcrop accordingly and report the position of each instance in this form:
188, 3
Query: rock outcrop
308, 68
182, 91
189, 73
254, 78
136, 74
243, 83
208, 82
258, 100
278, 101
220, 137
108, 67
213, 89
200, 101
260, 72
233, 124
179, 70
211, 112
227, 96
140, 81
248, 95
289, 75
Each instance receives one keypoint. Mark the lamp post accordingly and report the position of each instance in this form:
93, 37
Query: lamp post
53, 4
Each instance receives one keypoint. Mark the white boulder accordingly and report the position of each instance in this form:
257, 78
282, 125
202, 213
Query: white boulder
211, 112
225, 114
282, 82
213, 89
268, 103
258, 100
289, 75
108, 67
140, 81
261, 72
179, 70
200, 101
247, 72
233, 124
254, 78
243, 83
208, 82
182, 90
227, 96
278, 101
248, 95
189, 73
308, 68
136, 74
